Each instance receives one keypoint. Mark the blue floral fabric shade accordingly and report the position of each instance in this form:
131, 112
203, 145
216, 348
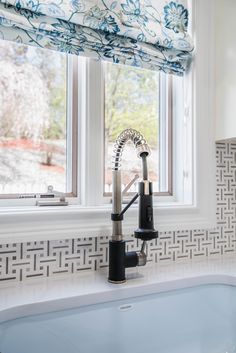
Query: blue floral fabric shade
144, 33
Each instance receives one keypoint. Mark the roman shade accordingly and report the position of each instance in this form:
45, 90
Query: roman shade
150, 34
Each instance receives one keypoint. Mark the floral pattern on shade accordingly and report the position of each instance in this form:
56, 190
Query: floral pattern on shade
176, 17
144, 33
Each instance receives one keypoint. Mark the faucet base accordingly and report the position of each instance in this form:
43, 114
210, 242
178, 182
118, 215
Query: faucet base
119, 260
116, 261
116, 282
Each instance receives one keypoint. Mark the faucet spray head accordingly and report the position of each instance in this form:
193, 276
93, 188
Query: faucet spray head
143, 149
146, 229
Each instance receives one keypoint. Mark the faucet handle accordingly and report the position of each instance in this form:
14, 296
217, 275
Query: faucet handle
128, 186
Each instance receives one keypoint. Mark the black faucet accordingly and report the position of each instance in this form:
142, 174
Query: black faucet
119, 259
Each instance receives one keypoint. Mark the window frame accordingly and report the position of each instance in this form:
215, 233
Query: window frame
92, 139
29, 199
72, 112
165, 136
166, 128
193, 205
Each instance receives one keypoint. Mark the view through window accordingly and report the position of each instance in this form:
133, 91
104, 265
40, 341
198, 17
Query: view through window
33, 119
36, 147
131, 101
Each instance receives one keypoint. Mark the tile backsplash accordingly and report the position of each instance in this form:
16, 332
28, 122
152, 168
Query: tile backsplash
22, 261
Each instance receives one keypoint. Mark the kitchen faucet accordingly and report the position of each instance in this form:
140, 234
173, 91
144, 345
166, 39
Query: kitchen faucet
119, 259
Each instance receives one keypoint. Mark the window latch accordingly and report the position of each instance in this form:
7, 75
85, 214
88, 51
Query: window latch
60, 198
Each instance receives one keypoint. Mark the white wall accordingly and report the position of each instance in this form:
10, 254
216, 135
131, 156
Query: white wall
225, 51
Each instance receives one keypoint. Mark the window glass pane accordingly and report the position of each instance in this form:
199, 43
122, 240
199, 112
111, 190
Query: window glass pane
32, 119
131, 101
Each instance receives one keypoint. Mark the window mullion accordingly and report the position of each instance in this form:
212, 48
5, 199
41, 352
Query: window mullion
92, 136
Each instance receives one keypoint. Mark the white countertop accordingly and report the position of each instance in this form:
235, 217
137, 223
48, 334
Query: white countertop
52, 294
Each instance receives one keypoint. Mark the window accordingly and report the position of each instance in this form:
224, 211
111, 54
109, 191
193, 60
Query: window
35, 122
38, 122
140, 99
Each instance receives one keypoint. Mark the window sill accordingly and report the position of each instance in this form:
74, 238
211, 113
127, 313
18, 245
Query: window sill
38, 224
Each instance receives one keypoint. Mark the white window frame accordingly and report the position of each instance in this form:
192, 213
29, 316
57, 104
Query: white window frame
165, 137
92, 118
194, 203
29, 199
